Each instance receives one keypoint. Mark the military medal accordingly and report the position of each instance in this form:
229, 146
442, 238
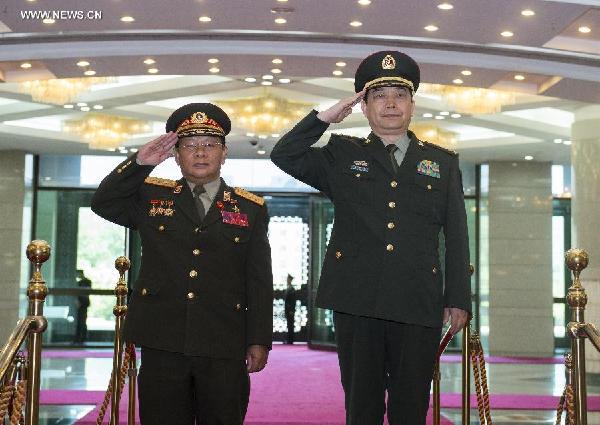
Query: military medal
362, 166
235, 218
429, 168
169, 211
226, 196
177, 189
152, 212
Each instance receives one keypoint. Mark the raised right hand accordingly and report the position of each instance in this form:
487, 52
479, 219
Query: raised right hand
157, 150
340, 110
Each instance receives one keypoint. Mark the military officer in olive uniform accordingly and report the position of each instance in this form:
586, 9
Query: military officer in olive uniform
392, 194
201, 308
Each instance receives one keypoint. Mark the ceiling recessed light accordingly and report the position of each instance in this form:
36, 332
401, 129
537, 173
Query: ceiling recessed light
25, 65
68, 106
284, 80
527, 12
431, 28
585, 29
133, 150
364, 2
558, 141
250, 80
519, 77
507, 34
89, 72
213, 60
85, 108
280, 20
48, 21
205, 19
355, 23
250, 134
267, 83
276, 61
276, 71
466, 72
457, 81
341, 64
445, 6
528, 158
149, 61
214, 70
282, 1
152, 70
262, 136
567, 142
439, 117
81, 104
127, 19
83, 63
445, 113
455, 115
337, 72
98, 107
261, 151
267, 77
427, 115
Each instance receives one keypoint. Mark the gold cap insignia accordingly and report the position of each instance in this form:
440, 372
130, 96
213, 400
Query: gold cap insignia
388, 62
199, 124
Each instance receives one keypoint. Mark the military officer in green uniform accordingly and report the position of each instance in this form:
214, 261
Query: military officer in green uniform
201, 309
382, 276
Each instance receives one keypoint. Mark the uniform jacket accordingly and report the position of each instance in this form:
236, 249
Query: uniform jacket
382, 260
205, 288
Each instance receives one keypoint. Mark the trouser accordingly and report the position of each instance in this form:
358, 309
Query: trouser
376, 355
289, 318
187, 390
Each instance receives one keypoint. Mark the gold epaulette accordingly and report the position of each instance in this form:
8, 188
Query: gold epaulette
448, 151
249, 195
161, 182
351, 139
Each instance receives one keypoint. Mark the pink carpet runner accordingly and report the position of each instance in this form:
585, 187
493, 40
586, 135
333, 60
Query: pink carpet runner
302, 387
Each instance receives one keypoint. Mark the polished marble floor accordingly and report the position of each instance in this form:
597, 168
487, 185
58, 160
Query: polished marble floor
542, 379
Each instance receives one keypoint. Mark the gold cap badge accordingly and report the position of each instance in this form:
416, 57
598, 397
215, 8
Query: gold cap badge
388, 62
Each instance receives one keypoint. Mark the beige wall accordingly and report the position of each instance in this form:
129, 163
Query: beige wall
520, 259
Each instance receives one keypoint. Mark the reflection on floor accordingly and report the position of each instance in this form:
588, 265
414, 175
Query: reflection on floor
93, 373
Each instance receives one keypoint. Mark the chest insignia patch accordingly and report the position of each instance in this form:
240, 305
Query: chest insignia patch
429, 168
235, 218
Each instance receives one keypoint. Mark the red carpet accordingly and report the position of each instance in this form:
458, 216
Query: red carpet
302, 386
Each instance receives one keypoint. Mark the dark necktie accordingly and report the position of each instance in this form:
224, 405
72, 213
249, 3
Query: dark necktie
198, 190
391, 148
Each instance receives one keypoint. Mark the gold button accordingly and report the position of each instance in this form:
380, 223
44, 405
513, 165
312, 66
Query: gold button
196, 251
392, 204
391, 225
144, 291
161, 227
390, 247
357, 174
196, 230
428, 187
238, 306
434, 270
128, 162
119, 171
394, 183
193, 273
236, 239
191, 295
338, 254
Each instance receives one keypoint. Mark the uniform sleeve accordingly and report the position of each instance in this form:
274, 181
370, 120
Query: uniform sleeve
116, 198
295, 155
457, 291
259, 284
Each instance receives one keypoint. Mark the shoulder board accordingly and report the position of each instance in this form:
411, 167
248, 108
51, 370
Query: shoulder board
156, 181
351, 139
448, 151
249, 195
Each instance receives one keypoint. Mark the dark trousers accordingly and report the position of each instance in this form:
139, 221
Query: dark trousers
186, 390
289, 318
377, 355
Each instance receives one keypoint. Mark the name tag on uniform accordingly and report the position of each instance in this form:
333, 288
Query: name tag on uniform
235, 218
429, 168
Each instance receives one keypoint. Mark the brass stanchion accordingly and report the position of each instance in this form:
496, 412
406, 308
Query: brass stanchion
132, 372
37, 252
577, 260
122, 264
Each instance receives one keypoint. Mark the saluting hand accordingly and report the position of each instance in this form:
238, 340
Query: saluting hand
340, 110
256, 358
157, 150
458, 318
